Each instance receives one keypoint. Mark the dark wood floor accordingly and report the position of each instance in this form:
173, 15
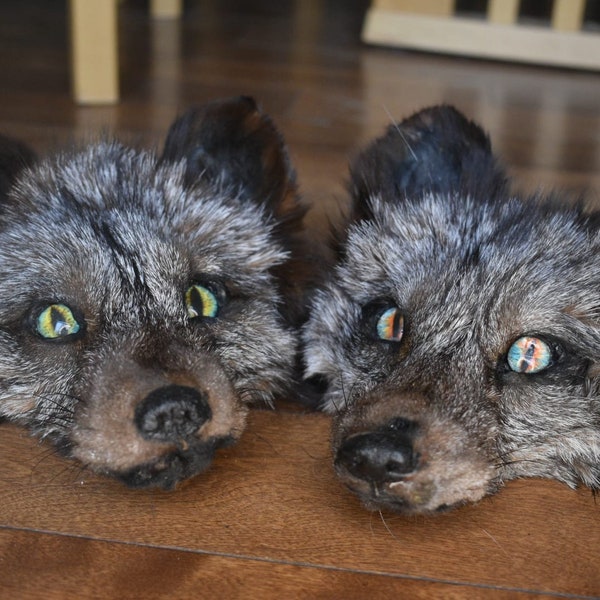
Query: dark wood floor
269, 520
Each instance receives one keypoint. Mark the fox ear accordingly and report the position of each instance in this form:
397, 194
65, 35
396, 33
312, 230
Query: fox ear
14, 157
233, 144
437, 150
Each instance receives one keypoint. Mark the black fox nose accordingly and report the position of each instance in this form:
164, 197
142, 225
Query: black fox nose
379, 456
171, 413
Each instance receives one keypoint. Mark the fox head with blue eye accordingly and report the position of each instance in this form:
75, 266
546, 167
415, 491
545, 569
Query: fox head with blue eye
459, 333
146, 299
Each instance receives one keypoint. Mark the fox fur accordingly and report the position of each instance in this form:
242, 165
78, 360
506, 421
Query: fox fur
108, 255
458, 335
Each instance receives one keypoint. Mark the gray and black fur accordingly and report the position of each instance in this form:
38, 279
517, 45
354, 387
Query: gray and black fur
437, 413
143, 300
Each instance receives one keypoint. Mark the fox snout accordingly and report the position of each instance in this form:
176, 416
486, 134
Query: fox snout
172, 413
406, 450
155, 422
381, 456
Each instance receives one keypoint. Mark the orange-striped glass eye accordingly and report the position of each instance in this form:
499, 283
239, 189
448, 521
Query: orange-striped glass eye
390, 325
529, 355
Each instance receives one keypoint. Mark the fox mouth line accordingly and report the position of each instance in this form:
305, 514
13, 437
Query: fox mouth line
167, 471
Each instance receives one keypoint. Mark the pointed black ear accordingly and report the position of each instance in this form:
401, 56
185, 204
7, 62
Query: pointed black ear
14, 157
232, 143
437, 150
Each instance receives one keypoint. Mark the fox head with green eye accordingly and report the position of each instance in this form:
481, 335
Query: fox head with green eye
145, 298
458, 336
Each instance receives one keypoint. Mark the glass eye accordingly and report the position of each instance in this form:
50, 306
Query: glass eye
390, 325
201, 302
57, 321
529, 355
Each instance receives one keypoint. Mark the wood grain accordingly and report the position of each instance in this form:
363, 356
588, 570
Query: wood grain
269, 519
274, 498
110, 570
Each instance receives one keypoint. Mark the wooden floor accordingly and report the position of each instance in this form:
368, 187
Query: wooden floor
269, 520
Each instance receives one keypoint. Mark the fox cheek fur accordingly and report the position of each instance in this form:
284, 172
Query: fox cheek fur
144, 300
459, 334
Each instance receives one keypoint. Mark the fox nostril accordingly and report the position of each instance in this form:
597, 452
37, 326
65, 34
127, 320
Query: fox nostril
378, 457
171, 413
401, 424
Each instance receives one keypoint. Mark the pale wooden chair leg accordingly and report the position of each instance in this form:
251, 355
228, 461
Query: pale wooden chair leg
503, 12
166, 9
440, 8
567, 15
94, 51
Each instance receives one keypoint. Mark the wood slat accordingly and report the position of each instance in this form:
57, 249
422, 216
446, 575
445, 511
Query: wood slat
503, 12
440, 8
567, 15
166, 9
468, 37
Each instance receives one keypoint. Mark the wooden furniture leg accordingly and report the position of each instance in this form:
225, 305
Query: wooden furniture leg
94, 51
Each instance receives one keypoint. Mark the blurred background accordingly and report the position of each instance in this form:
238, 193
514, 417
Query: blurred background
305, 63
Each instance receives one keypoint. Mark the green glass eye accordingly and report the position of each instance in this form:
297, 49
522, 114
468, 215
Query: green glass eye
201, 302
390, 325
57, 321
529, 355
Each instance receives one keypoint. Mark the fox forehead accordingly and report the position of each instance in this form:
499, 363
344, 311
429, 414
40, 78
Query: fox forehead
131, 195
451, 238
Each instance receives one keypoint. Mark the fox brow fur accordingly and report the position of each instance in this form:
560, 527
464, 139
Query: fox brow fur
435, 230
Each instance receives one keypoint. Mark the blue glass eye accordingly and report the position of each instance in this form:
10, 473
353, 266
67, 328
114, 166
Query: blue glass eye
201, 302
529, 355
57, 321
390, 325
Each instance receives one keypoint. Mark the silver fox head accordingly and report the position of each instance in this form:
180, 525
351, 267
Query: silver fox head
459, 333
141, 307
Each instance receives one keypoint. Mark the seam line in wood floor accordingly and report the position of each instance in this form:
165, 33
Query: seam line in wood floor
292, 563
